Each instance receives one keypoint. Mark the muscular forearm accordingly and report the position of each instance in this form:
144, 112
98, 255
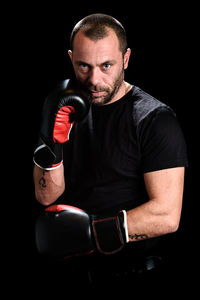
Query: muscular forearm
147, 221
49, 185
161, 214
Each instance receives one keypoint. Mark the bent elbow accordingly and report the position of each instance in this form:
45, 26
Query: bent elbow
172, 224
46, 199
44, 202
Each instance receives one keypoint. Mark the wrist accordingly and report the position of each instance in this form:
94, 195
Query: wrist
47, 158
125, 226
110, 233
53, 167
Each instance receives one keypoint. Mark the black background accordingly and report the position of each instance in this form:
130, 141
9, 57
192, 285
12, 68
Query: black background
163, 40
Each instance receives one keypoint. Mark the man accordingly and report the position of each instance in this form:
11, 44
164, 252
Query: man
129, 154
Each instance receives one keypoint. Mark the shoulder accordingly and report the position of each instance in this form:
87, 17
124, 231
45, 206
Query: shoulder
146, 106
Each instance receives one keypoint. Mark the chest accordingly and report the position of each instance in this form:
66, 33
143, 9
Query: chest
107, 142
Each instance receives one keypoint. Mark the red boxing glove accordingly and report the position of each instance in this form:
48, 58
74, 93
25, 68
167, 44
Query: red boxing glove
61, 109
64, 230
63, 124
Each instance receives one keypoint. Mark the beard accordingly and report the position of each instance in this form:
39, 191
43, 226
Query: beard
108, 92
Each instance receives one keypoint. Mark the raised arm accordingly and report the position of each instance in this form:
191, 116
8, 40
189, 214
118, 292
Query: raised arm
61, 109
49, 185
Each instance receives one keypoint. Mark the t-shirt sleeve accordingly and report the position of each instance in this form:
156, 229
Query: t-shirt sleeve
162, 143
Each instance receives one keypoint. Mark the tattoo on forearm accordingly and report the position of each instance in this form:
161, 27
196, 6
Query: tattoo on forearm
42, 181
138, 237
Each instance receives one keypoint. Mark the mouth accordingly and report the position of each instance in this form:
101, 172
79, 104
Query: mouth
96, 94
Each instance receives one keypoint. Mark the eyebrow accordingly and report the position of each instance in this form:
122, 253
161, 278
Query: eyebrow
110, 62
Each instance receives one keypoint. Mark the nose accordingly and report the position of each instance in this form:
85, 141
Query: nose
94, 77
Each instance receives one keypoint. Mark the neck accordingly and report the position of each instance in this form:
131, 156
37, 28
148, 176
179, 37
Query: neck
123, 90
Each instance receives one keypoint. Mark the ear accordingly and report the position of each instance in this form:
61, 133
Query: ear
70, 54
126, 58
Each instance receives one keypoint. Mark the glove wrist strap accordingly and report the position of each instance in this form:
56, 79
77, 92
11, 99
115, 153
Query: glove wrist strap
110, 233
46, 158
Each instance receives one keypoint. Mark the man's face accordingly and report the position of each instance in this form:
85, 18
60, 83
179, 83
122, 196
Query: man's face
99, 67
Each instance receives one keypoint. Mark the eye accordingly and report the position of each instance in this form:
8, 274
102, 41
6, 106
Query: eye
106, 66
83, 67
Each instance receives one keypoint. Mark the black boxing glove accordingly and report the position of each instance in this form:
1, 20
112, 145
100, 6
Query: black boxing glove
61, 108
63, 231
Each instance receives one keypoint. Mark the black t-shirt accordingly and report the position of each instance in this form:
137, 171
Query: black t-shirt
109, 152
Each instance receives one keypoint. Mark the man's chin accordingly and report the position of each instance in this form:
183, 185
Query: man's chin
99, 101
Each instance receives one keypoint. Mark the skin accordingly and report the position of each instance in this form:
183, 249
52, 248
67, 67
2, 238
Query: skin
99, 66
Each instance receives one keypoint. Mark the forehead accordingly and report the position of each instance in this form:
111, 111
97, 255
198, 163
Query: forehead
107, 47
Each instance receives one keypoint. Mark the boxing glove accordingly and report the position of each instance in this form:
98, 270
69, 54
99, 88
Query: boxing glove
63, 231
64, 106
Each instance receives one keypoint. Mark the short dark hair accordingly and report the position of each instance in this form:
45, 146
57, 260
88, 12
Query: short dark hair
96, 27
